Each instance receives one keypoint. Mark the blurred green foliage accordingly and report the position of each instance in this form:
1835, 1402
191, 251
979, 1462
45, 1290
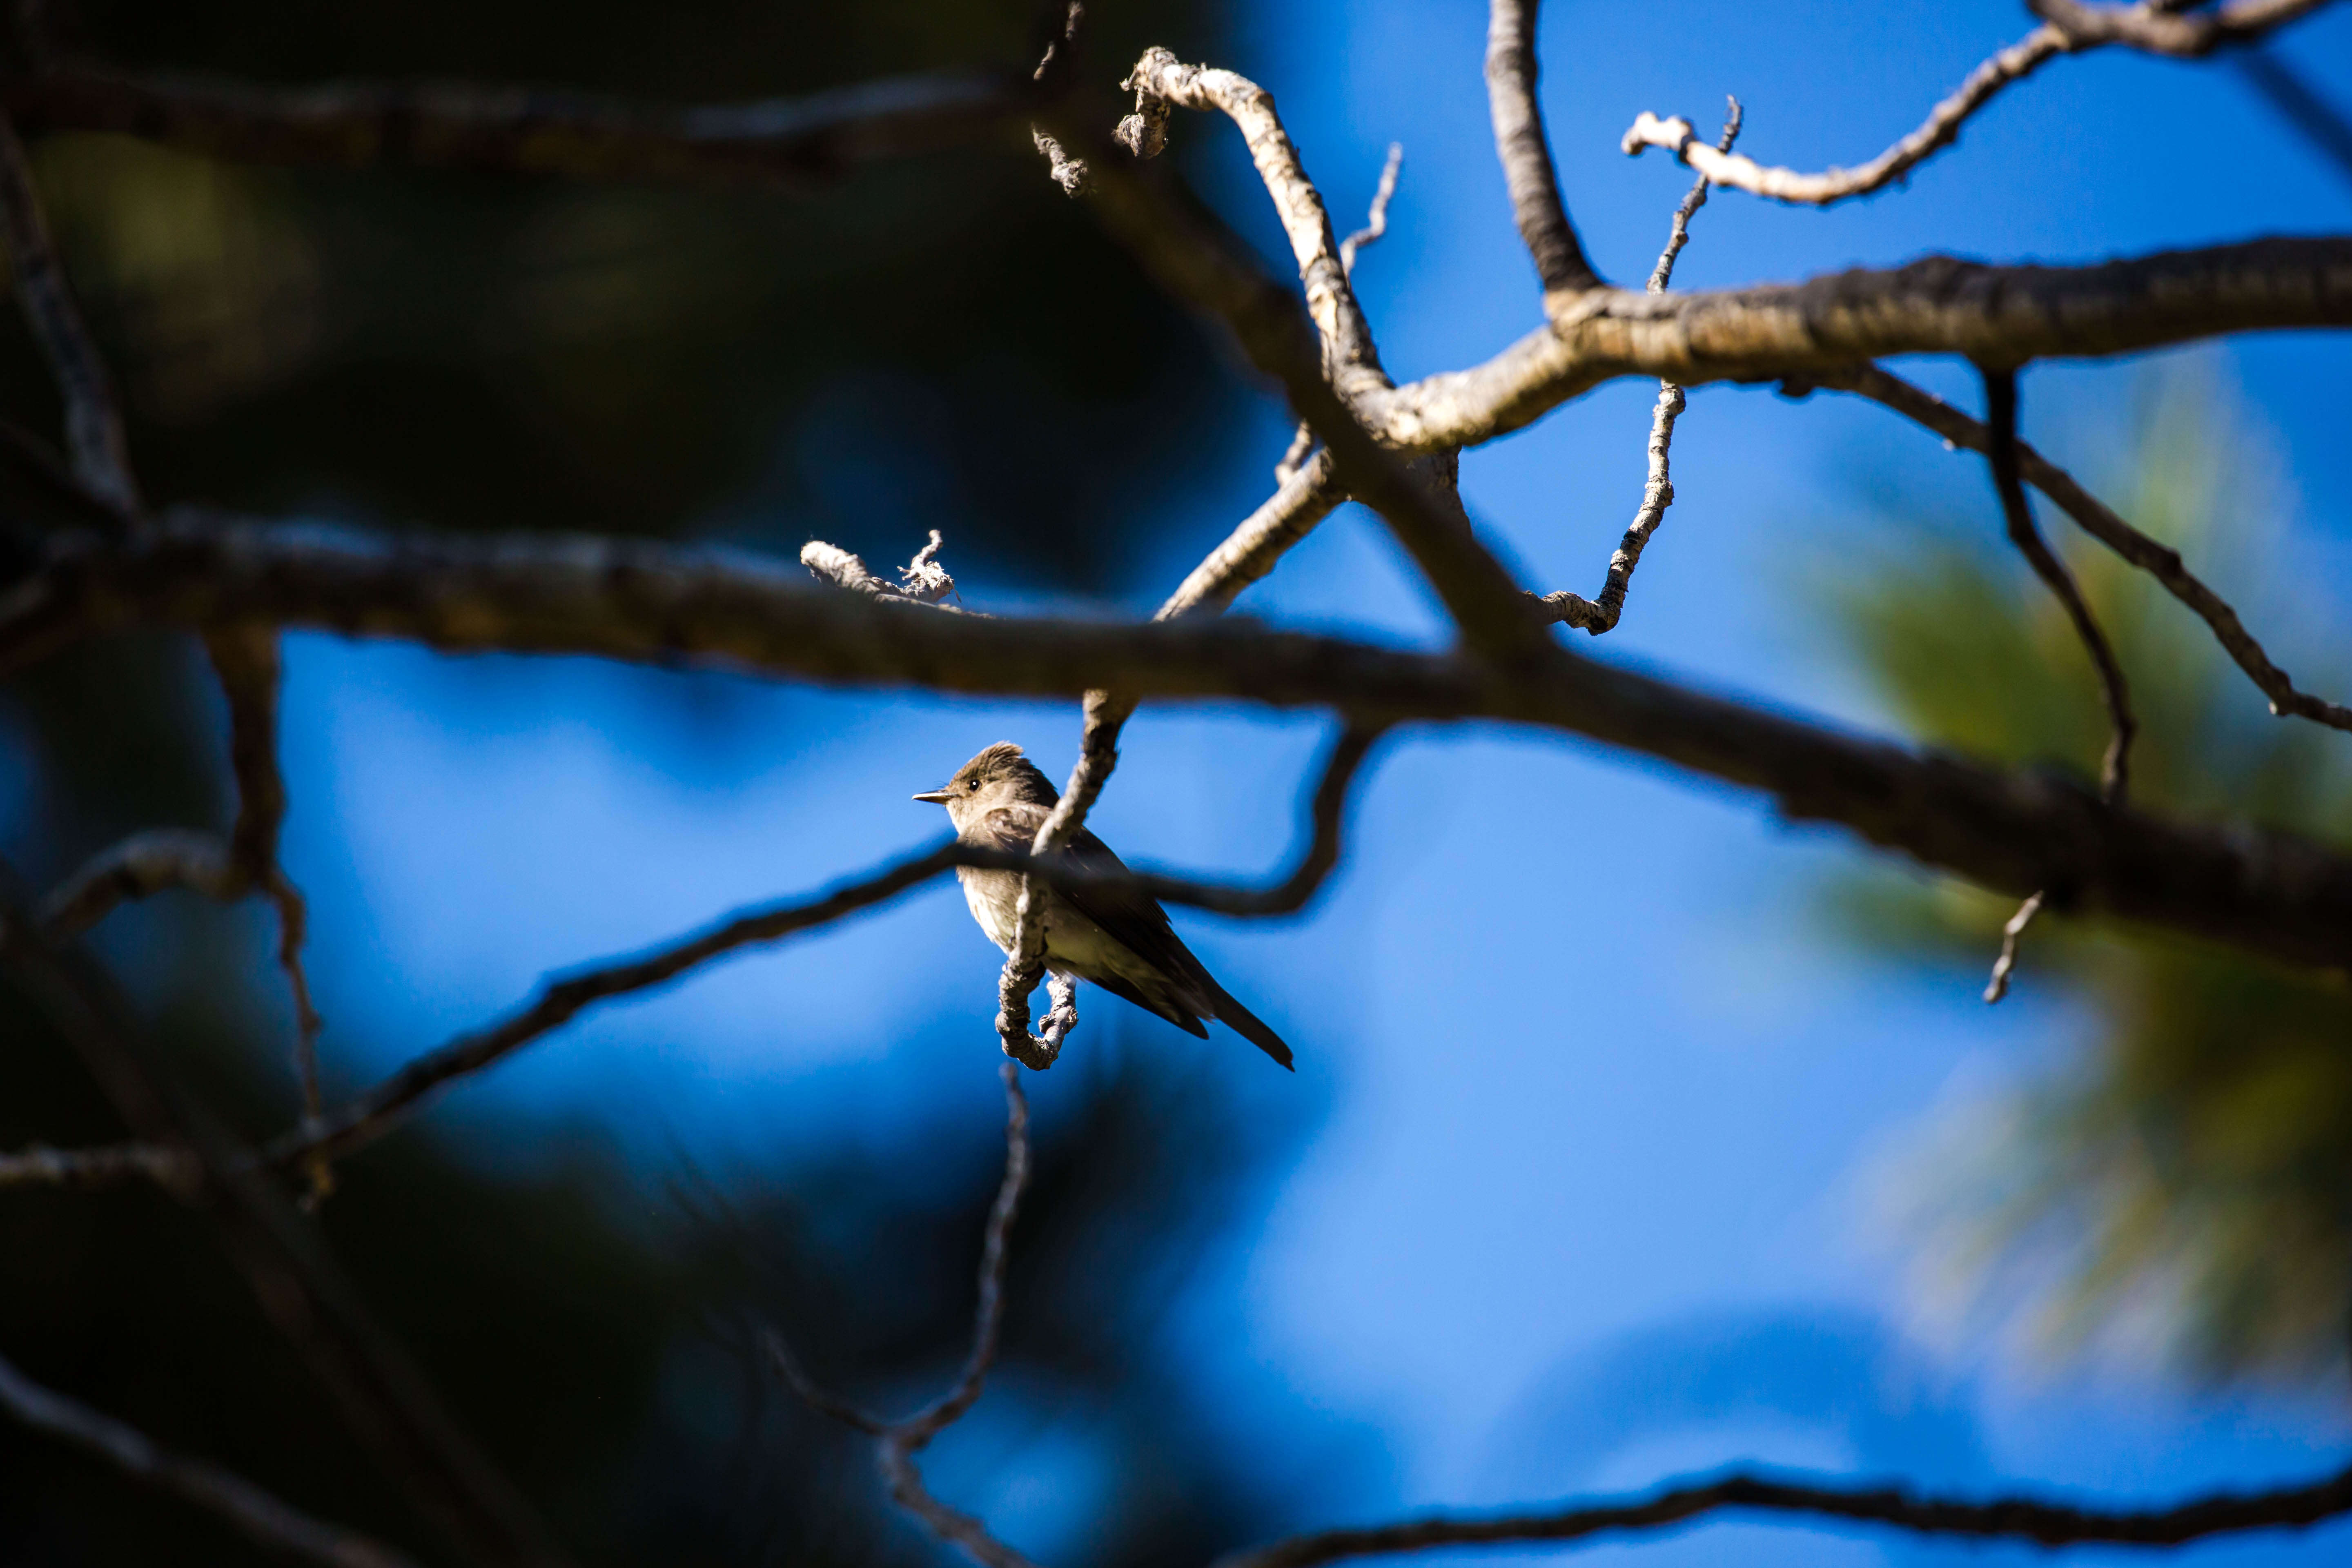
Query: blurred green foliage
2190, 1175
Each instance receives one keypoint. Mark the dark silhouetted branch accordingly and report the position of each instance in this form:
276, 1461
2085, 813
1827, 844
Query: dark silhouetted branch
898, 1442
140, 866
260, 1517
2013, 832
2001, 419
96, 449
2003, 1518
2096, 519
1526, 156
786, 141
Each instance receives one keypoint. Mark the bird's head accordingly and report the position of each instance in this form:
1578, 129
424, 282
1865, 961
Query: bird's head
999, 776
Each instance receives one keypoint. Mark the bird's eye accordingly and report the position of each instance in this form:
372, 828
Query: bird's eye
970, 786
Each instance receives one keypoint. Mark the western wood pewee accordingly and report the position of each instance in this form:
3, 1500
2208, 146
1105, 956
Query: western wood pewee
1119, 939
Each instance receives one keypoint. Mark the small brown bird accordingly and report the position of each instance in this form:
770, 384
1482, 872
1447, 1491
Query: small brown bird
1119, 939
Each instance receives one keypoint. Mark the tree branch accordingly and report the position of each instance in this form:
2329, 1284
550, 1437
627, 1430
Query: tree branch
1526, 156
1160, 77
2012, 832
2160, 562
2068, 27
91, 1170
1938, 305
257, 1514
790, 142
1596, 617
96, 449
2014, 1518
898, 1442
2000, 418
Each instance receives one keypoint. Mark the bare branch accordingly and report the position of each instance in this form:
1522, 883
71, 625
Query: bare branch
1595, 618
1376, 220
1694, 198
2114, 776
1526, 156
898, 1442
1200, 261
2009, 831
95, 446
89, 1170
1937, 305
1160, 77
244, 658
2000, 418
2011, 932
2095, 517
2069, 27
790, 142
2010, 1519
260, 1516
988, 1316
2171, 30
141, 866
1250, 552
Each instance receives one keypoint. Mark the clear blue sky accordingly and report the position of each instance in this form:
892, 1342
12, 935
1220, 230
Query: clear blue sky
1599, 1123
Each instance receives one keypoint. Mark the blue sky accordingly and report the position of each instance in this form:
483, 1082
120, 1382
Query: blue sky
1599, 1123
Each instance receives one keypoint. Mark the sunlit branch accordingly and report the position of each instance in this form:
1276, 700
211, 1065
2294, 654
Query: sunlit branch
1596, 617
1526, 156
2068, 27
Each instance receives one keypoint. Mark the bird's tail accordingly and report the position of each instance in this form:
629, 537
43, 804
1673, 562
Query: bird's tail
1250, 1027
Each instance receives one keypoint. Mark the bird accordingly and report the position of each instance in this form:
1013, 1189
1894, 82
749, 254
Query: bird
1119, 937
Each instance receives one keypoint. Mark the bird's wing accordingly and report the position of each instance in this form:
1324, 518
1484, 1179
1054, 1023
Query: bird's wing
1135, 921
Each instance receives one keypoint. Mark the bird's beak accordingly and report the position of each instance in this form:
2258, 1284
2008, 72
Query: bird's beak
936, 797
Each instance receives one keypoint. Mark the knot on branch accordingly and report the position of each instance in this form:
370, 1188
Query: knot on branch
1675, 135
1145, 131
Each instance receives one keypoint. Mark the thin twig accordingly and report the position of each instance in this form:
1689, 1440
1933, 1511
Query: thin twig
1596, 617
2069, 28
1525, 155
260, 1516
95, 446
2001, 419
2099, 521
2114, 775
370, 1116
140, 866
88, 1170
2001, 1519
244, 658
791, 144
2003, 966
1376, 219
898, 1442
1376, 226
